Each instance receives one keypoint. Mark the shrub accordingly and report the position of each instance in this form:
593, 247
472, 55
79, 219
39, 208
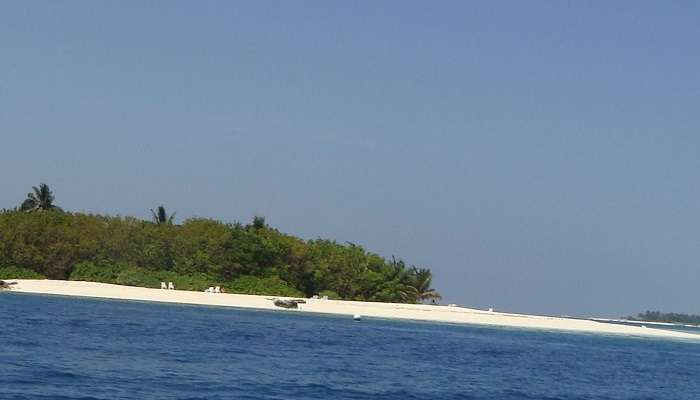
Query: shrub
131, 275
134, 276
331, 295
19, 273
92, 272
272, 285
196, 282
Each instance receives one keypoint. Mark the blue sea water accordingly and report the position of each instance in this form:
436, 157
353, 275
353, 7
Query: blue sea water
69, 348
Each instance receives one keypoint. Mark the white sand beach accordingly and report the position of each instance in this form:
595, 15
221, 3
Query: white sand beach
349, 308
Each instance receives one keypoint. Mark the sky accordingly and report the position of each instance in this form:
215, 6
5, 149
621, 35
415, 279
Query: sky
538, 156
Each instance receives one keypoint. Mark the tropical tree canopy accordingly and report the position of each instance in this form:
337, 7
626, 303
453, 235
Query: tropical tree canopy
254, 258
161, 216
40, 199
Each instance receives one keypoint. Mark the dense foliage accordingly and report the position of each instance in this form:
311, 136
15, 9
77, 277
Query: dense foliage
19, 273
658, 316
254, 258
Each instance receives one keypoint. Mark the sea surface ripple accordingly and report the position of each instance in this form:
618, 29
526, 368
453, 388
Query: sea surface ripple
69, 348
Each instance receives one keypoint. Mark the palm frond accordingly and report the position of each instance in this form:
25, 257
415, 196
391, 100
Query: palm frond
39, 199
160, 216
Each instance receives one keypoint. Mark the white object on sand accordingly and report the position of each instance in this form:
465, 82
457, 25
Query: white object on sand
217, 289
163, 286
171, 286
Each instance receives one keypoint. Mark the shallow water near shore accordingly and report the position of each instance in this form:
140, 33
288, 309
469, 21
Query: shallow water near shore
76, 348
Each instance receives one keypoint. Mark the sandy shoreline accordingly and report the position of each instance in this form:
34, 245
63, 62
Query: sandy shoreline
349, 308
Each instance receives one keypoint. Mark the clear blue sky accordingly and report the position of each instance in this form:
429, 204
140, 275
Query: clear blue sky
538, 156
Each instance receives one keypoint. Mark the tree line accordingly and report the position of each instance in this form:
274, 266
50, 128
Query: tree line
39, 239
658, 316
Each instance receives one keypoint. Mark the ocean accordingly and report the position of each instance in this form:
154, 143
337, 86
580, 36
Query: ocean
71, 348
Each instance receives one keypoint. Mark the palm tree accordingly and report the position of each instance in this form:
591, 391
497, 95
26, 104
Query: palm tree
259, 222
400, 279
40, 200
161, 217
422, 280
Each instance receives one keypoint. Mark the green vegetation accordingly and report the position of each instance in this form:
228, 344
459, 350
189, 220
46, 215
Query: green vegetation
19, 273
253, 258
658, 316
272, 285
121, 273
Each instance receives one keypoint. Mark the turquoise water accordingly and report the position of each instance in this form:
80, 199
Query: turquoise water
68, 348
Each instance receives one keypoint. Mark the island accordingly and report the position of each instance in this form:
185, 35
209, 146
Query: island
40, 240
47, 250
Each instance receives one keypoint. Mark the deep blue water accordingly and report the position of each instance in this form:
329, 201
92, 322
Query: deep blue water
68, 348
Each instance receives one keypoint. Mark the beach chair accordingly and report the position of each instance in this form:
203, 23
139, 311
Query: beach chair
171, 286
210, 289
217, 289
163, 286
